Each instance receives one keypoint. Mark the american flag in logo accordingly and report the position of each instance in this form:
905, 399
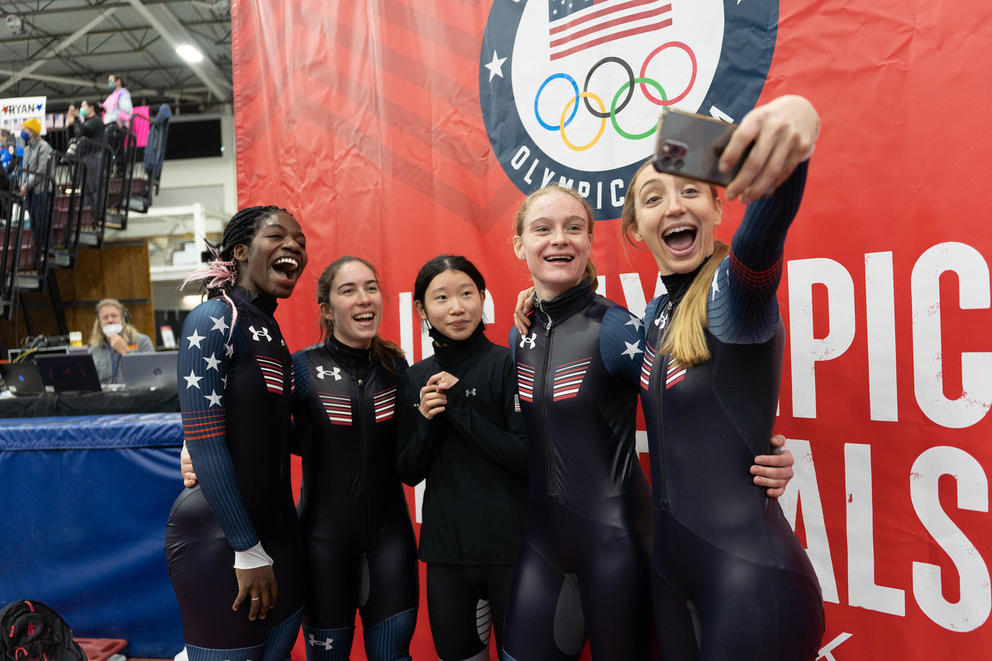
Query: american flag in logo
575, 25
569, 377
385, 404
525, 382
272, 373
675, 373
649, 355
337, 407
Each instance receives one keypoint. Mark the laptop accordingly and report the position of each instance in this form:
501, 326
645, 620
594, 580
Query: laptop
73, 372
22, 378
149, 370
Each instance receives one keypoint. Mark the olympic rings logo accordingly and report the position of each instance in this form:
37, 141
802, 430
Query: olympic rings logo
617, 105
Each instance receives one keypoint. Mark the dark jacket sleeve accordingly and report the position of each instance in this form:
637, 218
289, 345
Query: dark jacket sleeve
418, 436
504, 444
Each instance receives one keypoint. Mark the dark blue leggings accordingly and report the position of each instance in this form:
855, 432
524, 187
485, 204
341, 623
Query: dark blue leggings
577, 579
711, 605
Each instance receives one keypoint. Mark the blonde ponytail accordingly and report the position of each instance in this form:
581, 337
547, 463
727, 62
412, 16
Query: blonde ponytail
686, 339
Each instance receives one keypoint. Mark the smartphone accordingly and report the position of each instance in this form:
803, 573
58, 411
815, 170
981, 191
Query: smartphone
690, 145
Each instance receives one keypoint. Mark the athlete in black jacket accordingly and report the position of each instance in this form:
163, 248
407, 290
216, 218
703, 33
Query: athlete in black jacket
463, 433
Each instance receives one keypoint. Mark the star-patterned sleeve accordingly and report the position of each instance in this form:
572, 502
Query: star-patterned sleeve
205, 357
742, 308
621, 344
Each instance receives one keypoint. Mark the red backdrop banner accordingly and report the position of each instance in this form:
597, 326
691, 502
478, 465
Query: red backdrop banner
400, 130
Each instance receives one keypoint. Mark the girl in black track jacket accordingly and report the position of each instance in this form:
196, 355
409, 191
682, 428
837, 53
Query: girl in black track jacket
462, 432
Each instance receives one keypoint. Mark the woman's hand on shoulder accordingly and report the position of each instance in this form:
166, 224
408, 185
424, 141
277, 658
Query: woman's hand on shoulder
525, 303
783, 132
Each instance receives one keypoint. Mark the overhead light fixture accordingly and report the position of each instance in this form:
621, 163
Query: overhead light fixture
189, 53
13, 22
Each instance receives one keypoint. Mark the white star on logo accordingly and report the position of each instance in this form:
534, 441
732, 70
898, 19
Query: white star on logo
193, 381
632, 349
195, 339
635, 322
213, 398
327, 644
495, 67
219, 324
212, 362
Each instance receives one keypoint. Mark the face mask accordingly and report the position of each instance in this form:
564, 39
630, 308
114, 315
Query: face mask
83, 112
110, 84
112, 329
25, 136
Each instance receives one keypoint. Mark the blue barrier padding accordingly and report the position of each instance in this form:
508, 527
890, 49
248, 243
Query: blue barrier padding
82, 523
91, 432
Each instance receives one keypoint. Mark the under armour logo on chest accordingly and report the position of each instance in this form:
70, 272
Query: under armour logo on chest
255, 334
527, 341
327, 643
321, 373
470, 392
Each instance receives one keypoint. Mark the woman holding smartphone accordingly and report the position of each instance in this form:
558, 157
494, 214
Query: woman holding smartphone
712, 366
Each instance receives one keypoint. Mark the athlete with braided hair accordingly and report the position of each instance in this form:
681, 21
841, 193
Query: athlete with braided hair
235, 389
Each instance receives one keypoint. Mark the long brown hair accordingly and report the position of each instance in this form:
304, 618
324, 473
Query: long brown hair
685, 338
518, 223
381, 351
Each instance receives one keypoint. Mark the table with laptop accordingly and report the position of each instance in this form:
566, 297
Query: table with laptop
64, 382
90, 474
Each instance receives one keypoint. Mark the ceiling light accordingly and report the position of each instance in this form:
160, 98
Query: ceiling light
13, 22
189, 53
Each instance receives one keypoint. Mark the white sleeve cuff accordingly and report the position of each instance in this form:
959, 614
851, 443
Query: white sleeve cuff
252, 558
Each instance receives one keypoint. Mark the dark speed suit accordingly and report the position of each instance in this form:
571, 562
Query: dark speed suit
360, 547
719, 540
585, 556
235, 397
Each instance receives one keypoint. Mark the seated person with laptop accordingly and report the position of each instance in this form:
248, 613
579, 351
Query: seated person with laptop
113, 336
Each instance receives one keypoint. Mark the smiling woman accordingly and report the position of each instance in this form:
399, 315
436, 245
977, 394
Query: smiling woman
235, 397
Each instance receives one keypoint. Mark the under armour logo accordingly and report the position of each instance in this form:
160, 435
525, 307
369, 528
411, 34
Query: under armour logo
321, 373
527, 341
714, 286
661, 321
470, 392
255, 334
327, 643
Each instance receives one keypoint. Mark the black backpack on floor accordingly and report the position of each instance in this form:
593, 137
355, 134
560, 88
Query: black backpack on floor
31, 631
